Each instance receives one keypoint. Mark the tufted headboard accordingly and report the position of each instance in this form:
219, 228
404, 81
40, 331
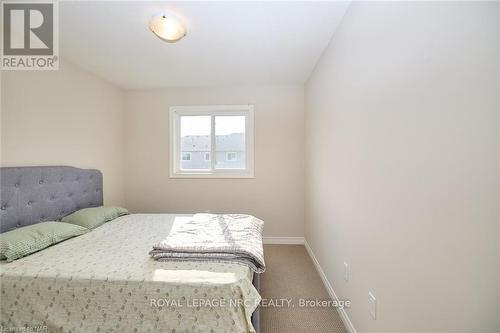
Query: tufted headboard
45, 193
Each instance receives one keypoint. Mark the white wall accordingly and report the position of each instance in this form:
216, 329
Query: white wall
276, 194
403, 170
64, 117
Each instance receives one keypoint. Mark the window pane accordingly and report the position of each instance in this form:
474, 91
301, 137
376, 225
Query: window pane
195, 142
230, 142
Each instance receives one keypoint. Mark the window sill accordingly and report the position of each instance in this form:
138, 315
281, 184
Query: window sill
212, 175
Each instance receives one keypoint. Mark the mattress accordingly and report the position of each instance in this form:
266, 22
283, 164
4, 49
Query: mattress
105, 281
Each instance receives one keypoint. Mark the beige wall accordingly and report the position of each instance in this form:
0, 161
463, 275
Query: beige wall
71, 117
275, 195
403, 170
64, 117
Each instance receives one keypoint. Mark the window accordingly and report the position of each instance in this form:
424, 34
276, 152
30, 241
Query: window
211, 141
231, 156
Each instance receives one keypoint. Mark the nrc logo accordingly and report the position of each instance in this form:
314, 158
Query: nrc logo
28, 29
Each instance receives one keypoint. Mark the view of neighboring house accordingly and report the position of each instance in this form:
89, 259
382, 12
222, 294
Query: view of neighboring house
230, 151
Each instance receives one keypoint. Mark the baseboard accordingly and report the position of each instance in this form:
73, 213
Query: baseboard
283, 240
343, 314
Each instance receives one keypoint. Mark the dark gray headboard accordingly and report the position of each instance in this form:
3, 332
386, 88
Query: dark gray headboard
46, 193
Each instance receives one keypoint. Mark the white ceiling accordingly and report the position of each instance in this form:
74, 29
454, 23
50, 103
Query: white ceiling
227, 42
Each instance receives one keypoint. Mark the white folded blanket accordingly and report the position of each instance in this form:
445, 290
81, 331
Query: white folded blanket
220, 238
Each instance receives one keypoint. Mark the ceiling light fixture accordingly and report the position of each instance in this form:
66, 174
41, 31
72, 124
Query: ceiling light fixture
167, 27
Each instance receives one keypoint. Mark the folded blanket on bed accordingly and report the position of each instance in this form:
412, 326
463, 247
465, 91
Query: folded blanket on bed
219, 238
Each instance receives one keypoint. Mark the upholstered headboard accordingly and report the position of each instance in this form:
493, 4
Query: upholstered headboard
31, 195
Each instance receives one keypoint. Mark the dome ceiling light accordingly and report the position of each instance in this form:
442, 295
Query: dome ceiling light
167, 27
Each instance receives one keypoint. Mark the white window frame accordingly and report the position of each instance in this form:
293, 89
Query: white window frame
211, 110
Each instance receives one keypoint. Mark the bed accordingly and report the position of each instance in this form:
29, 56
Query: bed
104, 281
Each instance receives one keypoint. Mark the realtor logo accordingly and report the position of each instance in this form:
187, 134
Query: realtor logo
30, 35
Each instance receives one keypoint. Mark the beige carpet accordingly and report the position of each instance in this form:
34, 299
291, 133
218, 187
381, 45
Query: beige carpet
291, 274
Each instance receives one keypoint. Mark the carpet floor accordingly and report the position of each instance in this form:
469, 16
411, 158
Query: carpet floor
290, 274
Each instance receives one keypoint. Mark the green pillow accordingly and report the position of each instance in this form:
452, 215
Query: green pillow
20, 242
91, 218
